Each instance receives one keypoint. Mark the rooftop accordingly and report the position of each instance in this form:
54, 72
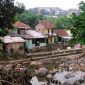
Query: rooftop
33, 34
46, 23
61, 33
22, 25
9, 39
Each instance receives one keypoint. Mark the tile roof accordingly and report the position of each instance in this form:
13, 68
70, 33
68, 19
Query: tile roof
21, 25
46, 24
9, 39
61, 32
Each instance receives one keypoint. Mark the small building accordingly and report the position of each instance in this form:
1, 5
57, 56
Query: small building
13, 44
62, 35
34, 39
21, 27
46, 28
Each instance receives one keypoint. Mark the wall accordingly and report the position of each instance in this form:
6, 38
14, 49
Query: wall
29, 45
40, 28
42, 44
15, 47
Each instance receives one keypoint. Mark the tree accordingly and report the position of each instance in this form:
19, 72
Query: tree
7, 13
19, 7
78, 25
61, 22
29, 18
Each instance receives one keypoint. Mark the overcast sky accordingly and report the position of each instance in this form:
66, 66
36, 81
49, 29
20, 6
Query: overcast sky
64, 4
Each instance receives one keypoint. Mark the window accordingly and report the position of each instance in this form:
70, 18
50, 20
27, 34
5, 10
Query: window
42, 40
33, 41
48, 30
46, 40
18, 31
21, 48
52, 30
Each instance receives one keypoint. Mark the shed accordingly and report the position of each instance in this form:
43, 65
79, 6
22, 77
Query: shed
13, 44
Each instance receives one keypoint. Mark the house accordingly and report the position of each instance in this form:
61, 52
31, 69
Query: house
21, 27
62, 35
13, 44
46, 28
34, 39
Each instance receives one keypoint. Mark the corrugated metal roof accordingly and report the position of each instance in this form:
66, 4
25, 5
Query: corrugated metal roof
9, 39
33, 34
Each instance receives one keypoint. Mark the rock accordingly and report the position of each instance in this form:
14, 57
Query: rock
42, 72
76, 83
49, 76
68, 75
35, 63
66, 83
34, 81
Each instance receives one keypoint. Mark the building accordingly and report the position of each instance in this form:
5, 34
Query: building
62, 35
21, 27
34, 39
46, 28
13, 44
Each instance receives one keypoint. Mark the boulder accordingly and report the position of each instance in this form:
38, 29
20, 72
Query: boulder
66, 83
42, 71
68, 75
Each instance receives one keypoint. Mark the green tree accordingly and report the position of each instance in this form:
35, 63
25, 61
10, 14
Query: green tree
19, 7
61, 22
29, 18
7, 13
78, 25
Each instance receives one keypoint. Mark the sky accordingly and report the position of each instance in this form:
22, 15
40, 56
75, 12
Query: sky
64, 4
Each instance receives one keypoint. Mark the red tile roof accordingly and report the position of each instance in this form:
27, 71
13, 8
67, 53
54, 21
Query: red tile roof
46, 24
21, 25
61, 32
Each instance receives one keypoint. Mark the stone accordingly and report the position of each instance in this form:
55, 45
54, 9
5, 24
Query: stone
42, 71
66, 83
68, 75
49, 76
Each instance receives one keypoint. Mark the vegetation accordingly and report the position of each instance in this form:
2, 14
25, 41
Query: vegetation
78, 25
29, 18
60, 22
7, 13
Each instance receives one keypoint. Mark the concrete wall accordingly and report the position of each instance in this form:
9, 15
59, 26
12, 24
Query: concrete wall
42, 44
29, 45
40, 28
15, 48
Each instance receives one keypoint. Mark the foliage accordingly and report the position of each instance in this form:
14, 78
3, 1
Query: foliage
78, 25
19, 8
7, 12
29, 18
61, 22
